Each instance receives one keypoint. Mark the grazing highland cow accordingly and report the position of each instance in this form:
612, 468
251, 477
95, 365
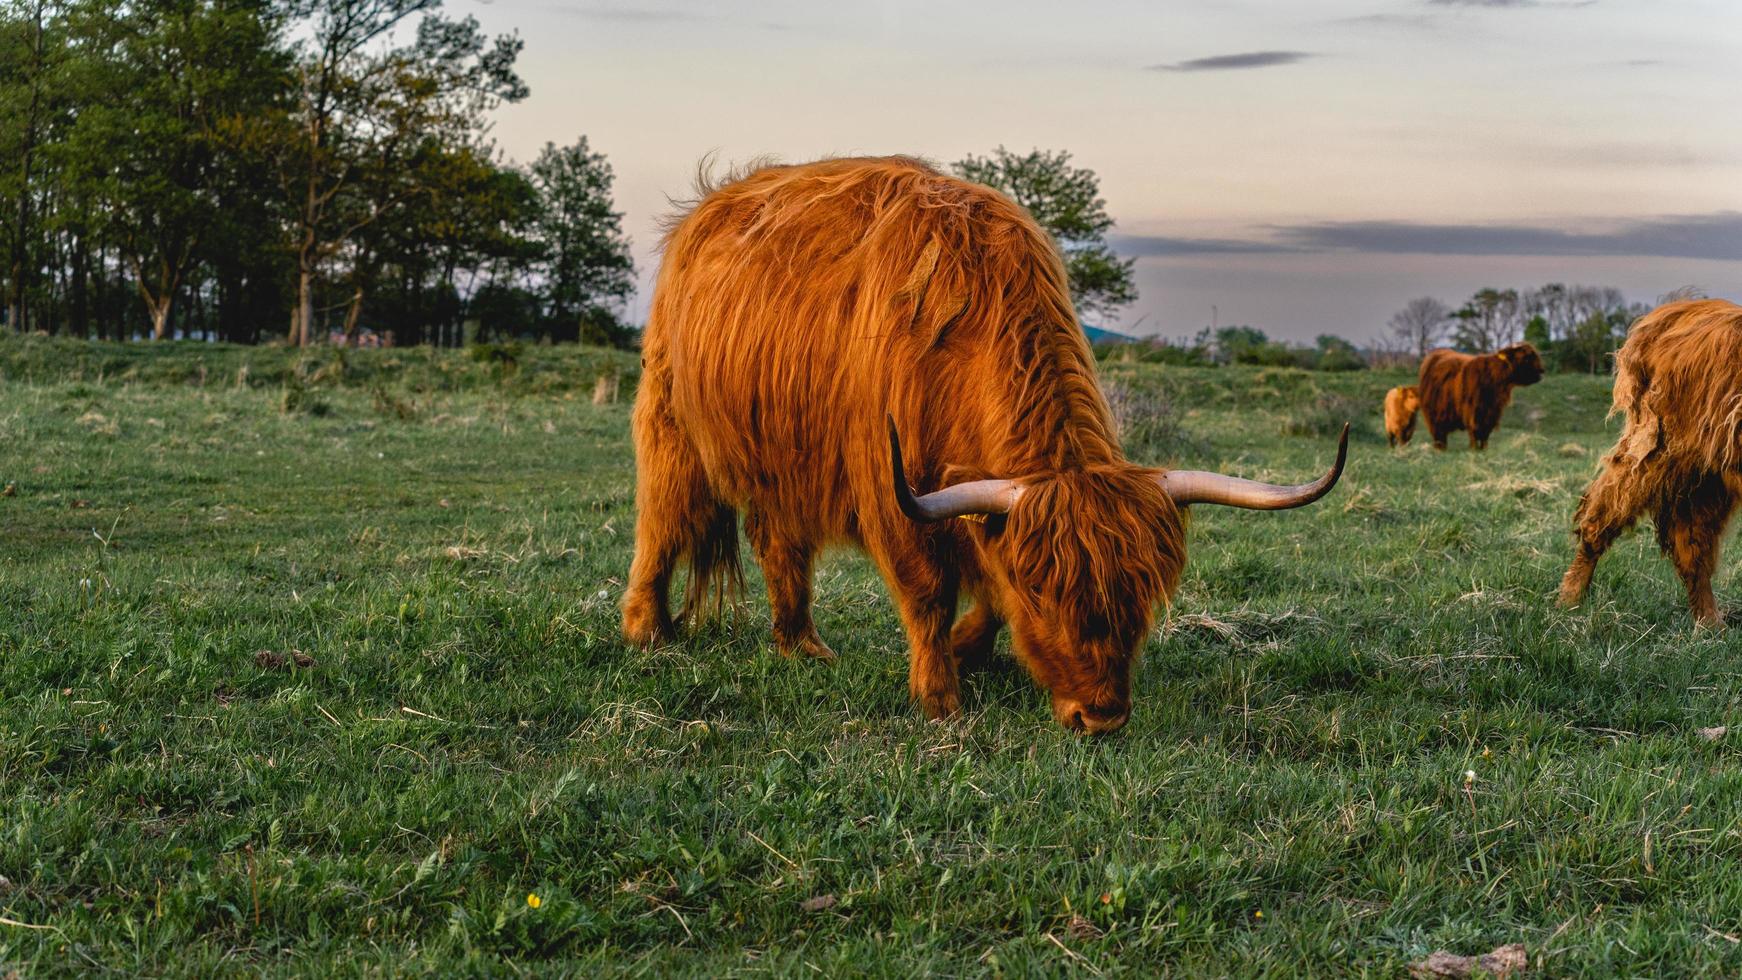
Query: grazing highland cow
1679, 381
1400, 407
805, 315
1469, 391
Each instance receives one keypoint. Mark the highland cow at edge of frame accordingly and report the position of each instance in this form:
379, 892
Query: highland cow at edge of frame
822, 333
1678, 379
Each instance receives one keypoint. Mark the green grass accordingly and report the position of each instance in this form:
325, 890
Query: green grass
446, 538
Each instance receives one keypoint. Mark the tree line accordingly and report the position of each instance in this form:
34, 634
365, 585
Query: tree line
305, 170
1574, 327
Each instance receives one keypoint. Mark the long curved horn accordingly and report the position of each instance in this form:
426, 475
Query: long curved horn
1201, 487
961, 500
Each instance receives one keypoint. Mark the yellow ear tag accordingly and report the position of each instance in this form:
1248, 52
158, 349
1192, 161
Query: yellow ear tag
976, 518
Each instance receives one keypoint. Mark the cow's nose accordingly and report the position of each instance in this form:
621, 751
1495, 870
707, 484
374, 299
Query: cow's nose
1102, 722
1091, 720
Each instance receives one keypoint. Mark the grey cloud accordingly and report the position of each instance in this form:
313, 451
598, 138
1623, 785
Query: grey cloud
1151, 245
1232, 62
1710, 236
1716, 236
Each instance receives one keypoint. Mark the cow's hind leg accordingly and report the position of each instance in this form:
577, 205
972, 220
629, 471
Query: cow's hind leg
1690, 529
677, 515
974, 635
1611, 504
786, 567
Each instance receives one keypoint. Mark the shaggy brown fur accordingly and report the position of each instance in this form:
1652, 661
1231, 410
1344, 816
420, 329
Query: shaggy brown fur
796, 307
1679, 381
1401, 404
1469, 391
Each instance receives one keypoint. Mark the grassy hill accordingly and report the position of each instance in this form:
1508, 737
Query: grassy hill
309, 664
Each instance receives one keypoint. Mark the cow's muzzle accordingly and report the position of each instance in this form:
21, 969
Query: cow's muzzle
1089, 719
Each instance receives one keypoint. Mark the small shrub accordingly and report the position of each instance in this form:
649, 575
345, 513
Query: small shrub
389, 405
1326, 414
503, 360
298, 398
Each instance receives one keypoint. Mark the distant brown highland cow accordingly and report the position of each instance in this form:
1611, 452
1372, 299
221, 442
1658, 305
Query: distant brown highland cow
804, 316
1469, 391
1401, 404
1679, 381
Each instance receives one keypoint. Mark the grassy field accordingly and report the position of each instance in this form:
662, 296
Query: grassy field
311, 666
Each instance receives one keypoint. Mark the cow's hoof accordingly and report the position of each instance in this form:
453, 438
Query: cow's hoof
645, 626
809, 647
941, 707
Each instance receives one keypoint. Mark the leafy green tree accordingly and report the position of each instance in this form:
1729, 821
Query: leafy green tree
153, 147
1490, 320
467, 213
1337, 354
586, 268
1066, 201
1239, 344
32, 50
363, 108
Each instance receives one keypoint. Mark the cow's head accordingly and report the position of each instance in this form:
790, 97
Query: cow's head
1411, 399
1078, 561
1523, 364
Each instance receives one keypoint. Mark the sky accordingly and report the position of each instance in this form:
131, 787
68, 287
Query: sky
1301, 167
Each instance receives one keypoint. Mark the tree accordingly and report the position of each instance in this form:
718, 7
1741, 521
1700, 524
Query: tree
1490, 320
1066, 201
31, 47
1337, 354
1536, 333
363, 109
1420, 325
585, 265
1592, 340
153, 147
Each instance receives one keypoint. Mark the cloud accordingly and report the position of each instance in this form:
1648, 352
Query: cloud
1233, 62
1709, 236
1716, 236
1150, 245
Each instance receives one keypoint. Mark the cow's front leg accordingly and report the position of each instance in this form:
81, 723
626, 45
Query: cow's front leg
932, 678
925, 590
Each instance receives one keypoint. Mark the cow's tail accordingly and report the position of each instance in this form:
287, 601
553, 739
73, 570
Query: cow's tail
716, 575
